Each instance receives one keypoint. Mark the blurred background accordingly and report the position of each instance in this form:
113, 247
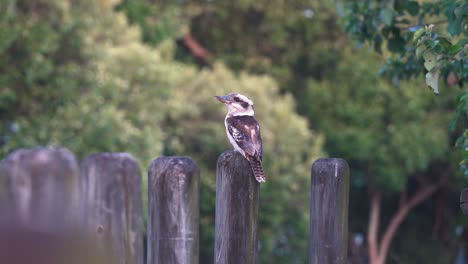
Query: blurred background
328, 78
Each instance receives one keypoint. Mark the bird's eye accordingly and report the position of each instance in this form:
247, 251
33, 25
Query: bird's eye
237, 99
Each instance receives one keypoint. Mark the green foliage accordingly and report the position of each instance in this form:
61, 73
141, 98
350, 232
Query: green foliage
123, 95
83, 75
290, 41
40, 65
459, 125
374, 125
423, 37
157, 24
439, 54
400, 25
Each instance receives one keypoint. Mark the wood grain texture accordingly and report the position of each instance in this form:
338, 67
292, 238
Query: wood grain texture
464, 201
173, 211
111, 194
237, 203
329, 212
39, 190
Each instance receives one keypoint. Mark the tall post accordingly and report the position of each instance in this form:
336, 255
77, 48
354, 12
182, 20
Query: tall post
40, 210
173, 211
236, 210
111, 193
39, 190
329, 212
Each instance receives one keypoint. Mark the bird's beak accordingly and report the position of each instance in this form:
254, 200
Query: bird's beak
224, 99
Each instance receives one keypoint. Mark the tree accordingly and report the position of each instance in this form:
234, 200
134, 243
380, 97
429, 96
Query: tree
374, 126
291, 41
420, 37
40, 64
137, 98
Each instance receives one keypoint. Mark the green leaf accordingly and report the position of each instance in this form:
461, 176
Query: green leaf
432, 80
430, 60
444, 42
454, 49
455, 26
433, 43
413, 8
378, 44
386, 16
455, 15
420, 50
462, 42
418, 34
396, 44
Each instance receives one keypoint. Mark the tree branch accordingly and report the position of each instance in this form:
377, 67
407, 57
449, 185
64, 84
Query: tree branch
421, 195
373, 229
197, 50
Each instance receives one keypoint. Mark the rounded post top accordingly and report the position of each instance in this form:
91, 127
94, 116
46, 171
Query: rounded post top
180, 164
40, 156
327, 162
330, 166
106, 156
231, 156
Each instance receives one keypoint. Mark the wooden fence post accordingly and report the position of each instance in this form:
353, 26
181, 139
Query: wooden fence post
111, 192
236, 210
464, 201
329, 212
173, 211
39, 190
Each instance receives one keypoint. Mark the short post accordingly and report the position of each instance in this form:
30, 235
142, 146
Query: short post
39, 190
173, 211
236, 210
464, 201
111, 193
329, 212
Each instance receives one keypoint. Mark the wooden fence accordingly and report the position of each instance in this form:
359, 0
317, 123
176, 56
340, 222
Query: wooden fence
46, 199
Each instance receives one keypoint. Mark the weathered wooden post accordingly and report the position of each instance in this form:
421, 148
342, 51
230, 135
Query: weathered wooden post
464, 201
39, 190
111, 193
329, 212
236, 210
173, 211
40, 212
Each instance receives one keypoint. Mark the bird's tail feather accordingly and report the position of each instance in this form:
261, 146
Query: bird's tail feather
256, 166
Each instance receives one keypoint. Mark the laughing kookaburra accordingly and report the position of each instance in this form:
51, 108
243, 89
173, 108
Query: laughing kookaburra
243, 130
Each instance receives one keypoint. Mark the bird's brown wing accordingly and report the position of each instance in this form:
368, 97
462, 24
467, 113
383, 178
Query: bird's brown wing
246, 132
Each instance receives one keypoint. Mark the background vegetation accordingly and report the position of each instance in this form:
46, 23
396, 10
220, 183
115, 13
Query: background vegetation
139, 76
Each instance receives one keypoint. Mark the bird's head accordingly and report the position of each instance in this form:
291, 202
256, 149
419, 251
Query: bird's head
237, 104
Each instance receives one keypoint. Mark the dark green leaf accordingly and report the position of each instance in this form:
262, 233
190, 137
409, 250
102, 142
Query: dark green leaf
462, 42
455, 26
386, 16
396, 44
378, 43
433, 43
454, 49
413, 8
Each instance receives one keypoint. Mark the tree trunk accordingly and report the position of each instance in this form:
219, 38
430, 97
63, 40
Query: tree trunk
373, 229
378, 250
